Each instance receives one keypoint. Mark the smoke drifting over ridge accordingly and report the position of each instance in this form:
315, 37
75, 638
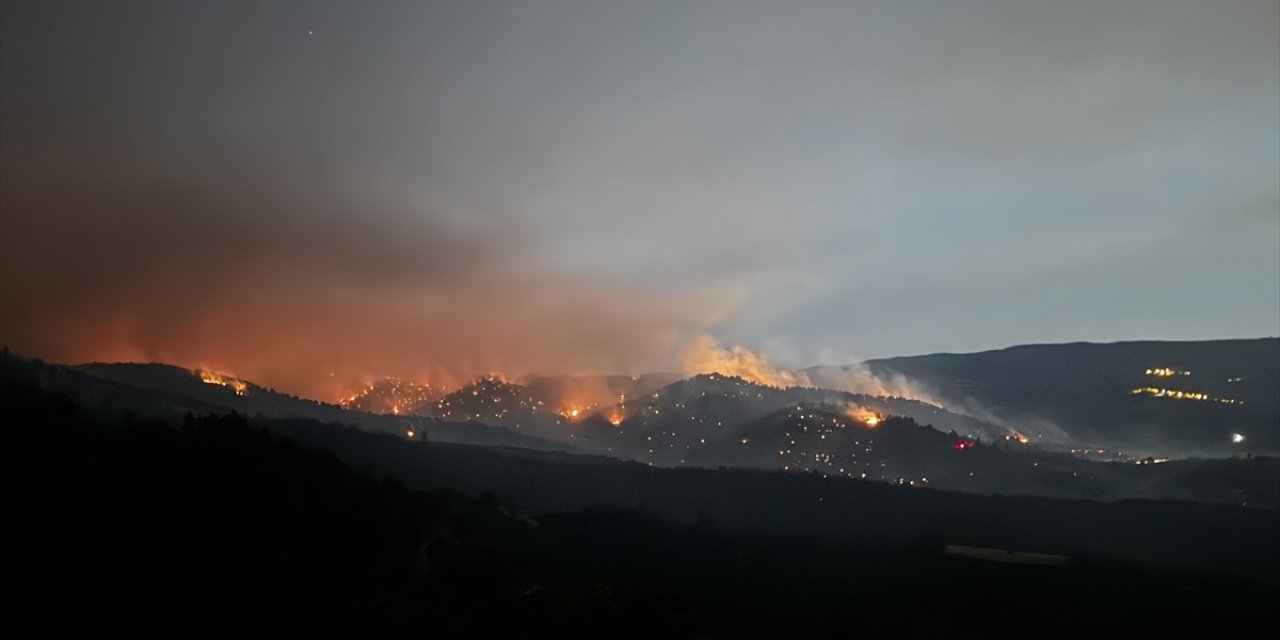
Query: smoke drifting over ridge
705, 354
285, 290
858, 378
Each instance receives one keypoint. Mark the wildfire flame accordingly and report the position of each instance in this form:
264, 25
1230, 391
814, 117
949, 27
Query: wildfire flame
705, 354
576, 409
212, 377
864, 415
572, 414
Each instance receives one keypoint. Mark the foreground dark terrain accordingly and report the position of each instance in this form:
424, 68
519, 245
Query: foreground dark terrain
225, 525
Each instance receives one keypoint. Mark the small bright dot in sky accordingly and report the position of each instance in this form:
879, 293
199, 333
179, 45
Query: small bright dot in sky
1237, 438
311, 33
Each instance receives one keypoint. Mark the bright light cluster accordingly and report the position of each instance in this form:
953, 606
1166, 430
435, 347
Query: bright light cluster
1177, 394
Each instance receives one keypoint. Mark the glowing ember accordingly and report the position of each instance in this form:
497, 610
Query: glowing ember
211, 377
961, 445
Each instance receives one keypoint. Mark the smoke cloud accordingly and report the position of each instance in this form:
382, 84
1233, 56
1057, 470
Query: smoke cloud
313, 197
858, 378
306, 295
705, 354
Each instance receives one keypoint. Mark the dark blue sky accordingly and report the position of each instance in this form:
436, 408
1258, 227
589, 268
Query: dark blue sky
446, 188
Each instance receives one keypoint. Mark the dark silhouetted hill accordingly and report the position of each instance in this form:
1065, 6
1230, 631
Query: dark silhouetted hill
1084, 392
165, 393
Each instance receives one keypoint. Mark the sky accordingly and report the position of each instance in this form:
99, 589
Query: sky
309, 193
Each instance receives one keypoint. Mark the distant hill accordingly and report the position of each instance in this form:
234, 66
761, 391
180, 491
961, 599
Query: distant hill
393, 396
165, 392
701, 420
568, 392
706, 421
1102, 394
693, 421
712, 420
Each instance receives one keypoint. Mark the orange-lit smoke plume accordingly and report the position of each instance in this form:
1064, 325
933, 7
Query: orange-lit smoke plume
307, 297
704, 354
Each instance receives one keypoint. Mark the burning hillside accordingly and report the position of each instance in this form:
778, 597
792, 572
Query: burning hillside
392, 396
492, 400
221, 379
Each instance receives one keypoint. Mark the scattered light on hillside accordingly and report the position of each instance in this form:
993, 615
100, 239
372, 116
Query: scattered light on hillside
1179, 394
391, 395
